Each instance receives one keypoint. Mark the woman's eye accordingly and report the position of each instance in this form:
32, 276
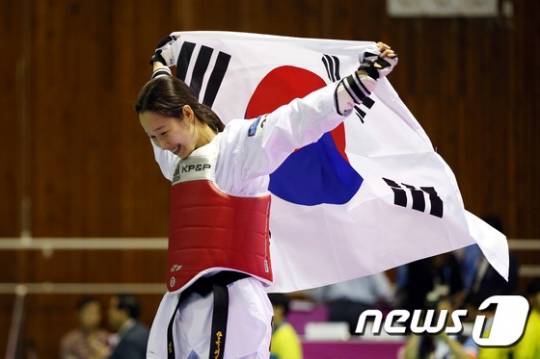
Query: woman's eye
164, 134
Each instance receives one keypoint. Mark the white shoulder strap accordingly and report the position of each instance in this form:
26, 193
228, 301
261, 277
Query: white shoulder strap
200, 165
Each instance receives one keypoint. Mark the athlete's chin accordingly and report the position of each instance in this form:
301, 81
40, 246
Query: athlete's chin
183, 154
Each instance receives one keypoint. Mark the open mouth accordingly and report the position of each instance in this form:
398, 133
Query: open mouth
176, 150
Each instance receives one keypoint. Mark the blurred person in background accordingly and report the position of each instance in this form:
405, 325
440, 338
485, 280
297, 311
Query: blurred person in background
131, 334
529, 345
415, 280
285, 343
443, 345
89, 339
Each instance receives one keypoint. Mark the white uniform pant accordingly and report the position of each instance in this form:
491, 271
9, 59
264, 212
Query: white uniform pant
249, 327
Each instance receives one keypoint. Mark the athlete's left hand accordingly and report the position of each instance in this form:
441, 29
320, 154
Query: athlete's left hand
379, 65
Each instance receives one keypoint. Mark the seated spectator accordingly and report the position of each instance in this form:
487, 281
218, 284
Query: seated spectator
86, 341
440, 346
347, 300
132, 335
416, 279
285, 342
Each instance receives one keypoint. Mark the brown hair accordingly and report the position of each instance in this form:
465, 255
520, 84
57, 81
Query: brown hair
167, 95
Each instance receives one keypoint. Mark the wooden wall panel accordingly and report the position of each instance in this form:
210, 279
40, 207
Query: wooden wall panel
85, 266
11, 88
472, 83
525, 90
96, 175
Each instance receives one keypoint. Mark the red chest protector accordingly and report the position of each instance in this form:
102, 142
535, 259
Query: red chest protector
212, 230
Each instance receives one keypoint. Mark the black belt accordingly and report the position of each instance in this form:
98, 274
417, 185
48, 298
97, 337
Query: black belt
203, 286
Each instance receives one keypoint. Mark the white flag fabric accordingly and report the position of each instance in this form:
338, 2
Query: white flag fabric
368, 196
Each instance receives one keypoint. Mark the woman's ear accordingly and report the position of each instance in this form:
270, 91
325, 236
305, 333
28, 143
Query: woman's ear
188, 113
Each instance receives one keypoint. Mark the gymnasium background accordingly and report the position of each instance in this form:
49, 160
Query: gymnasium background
83, 205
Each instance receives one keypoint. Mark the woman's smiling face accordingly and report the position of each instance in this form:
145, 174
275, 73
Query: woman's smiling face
169, 133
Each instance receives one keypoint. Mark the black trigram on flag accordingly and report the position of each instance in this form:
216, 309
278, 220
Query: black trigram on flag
331, 63
202, 62
418, 197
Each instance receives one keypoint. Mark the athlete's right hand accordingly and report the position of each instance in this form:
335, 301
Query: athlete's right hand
164, 52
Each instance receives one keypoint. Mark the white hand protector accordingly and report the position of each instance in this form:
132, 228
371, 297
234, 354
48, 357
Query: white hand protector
164, 52
377, 66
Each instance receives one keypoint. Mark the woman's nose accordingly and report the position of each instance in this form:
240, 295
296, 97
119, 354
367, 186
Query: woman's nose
164, 144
